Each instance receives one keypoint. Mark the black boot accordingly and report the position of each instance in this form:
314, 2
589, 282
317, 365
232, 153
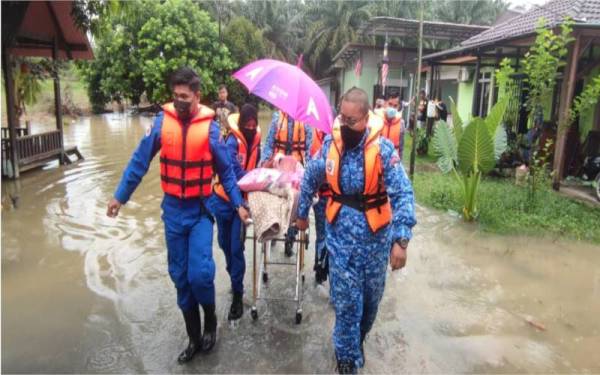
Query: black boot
193, 328
237, 307
209, 337
362, 344
289, 244
322, 268
346, 367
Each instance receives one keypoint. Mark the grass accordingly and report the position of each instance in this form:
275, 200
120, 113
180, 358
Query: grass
504, 207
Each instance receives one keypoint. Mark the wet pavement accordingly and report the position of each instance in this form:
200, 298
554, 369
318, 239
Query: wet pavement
85, 293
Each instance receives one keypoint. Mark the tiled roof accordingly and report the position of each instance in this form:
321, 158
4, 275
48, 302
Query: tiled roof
581, 11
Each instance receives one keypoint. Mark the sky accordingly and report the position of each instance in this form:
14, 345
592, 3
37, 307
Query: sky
526, 3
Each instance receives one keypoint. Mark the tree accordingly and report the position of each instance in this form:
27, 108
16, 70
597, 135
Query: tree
246, 43
282, 25
332, 24
179, 34
149, 40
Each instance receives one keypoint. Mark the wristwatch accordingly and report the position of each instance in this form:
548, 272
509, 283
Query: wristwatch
402, 242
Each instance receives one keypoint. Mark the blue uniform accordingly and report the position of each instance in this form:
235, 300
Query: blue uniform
230, 226
269, 148
358, 258
267, 151
188, 224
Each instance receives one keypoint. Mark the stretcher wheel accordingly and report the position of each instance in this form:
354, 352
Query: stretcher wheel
265, 277
254, 314
298, 317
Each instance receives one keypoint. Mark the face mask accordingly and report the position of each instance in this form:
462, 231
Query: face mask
350, 137
249, 135
183, 109
391, 112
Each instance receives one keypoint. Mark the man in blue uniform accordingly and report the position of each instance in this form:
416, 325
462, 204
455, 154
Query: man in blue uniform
191, 151
369, 219
287, 137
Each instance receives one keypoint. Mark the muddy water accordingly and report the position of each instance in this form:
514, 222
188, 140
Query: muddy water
85, 293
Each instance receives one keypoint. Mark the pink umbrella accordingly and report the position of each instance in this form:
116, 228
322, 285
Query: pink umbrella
288, 88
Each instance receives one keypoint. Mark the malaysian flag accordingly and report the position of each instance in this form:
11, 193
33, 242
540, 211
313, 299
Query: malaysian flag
358, 68
384, 66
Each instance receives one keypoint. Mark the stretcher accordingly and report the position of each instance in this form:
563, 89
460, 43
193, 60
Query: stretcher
262, 264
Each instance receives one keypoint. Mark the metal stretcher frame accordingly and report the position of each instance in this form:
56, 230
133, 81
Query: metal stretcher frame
261, 267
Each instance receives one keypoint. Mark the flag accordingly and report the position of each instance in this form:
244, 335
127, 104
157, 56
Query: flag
358, 68
384, 65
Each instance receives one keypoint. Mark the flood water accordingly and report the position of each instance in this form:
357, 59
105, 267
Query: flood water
85, 293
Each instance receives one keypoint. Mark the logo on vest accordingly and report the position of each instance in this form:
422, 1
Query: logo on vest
330, 167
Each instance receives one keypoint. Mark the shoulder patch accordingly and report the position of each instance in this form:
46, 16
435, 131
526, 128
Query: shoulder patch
330, 167
149, 129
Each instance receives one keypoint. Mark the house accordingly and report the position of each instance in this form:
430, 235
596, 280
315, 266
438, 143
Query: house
402, 62
479, 56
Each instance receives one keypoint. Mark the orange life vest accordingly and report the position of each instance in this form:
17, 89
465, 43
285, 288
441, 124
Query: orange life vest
185, 159
373, 201
393, 130
298, 146
248, 163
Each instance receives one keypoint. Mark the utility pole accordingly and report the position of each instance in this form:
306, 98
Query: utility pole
417, 86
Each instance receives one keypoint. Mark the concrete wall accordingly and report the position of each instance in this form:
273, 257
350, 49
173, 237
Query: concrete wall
401, 64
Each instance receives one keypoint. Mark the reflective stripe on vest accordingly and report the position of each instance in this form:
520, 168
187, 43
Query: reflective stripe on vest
298, 146
373, 201
393, 131
247, 163
185, 159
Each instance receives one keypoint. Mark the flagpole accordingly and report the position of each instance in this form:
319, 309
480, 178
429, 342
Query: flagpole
417, 87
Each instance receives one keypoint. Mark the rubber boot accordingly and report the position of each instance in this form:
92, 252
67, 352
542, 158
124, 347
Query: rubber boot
289, 244
322, 268
193, 328
237, 307
362, 344
209, 337
346, 367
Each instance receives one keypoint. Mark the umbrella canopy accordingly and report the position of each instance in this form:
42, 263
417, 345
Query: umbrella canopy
288, 88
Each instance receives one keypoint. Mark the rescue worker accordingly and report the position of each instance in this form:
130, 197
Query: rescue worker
321, 266
393, 124
190, 154
369, 219
287, 137
243, 144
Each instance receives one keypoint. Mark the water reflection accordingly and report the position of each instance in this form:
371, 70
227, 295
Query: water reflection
85, 293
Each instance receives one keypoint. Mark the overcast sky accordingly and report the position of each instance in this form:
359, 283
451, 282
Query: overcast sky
527, 3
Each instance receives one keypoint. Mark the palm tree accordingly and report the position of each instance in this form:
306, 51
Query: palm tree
278, 21
330, 25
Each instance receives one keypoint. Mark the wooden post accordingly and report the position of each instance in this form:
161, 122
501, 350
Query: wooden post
58, 104
566, 97
9, 86
476, 88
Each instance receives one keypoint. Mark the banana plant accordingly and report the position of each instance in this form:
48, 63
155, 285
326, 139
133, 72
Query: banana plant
470, 151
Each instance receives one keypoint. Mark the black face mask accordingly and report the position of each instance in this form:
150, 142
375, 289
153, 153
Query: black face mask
183, 109
351, 137
249, 135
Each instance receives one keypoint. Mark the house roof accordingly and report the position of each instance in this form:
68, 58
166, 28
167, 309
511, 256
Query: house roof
350, 50
583, 12
431, 29
30, 28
